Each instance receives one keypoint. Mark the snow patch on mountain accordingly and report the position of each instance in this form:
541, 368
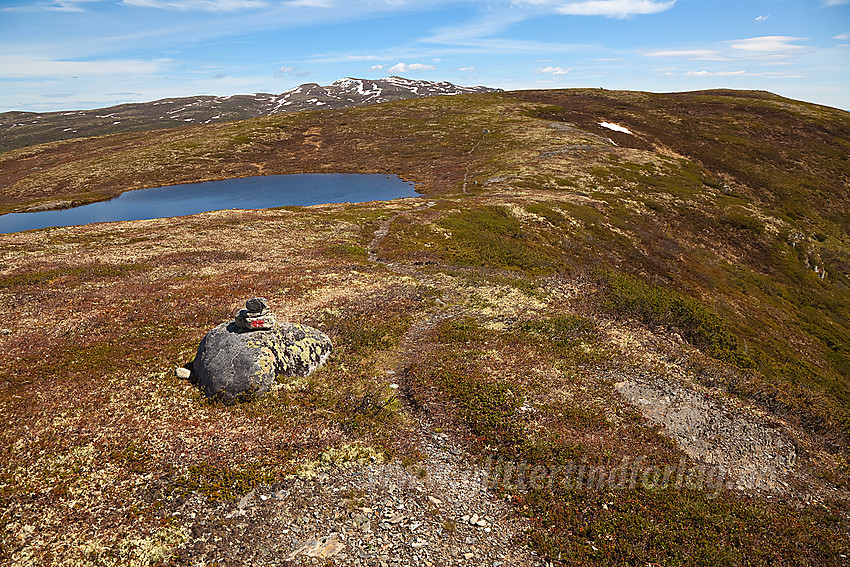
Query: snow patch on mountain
615, 127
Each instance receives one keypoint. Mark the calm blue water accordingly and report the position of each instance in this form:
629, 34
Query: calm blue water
244, 193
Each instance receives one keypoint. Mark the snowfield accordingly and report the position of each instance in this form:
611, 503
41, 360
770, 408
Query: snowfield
615, 127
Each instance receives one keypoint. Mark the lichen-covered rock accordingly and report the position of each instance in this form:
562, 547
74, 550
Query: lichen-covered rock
235, 364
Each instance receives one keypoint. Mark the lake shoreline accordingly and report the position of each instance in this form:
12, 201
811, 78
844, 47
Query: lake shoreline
253, 192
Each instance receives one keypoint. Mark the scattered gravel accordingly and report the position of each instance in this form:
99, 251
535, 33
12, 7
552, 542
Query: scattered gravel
753, 455
372, 515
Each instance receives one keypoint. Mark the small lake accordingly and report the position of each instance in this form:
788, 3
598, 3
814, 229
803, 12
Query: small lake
244, 193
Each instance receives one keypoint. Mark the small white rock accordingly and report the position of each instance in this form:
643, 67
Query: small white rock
182, 373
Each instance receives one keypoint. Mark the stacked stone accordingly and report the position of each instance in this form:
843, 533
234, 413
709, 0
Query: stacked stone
256, 316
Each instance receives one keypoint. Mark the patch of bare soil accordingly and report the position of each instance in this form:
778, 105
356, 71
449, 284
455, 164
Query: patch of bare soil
753, 455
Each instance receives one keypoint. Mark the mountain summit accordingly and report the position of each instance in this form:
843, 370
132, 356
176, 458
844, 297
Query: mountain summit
19, 129
348, 92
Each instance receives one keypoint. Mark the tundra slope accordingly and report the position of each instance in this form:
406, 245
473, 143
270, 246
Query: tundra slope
19, 129
563, 294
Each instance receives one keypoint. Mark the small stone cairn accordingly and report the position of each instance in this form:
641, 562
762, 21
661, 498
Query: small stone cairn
243, 359
256, 316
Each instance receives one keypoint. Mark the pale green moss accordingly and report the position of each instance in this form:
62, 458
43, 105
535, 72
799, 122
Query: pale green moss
345, 456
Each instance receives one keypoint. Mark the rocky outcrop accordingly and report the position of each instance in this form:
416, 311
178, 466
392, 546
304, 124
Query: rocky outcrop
241, 359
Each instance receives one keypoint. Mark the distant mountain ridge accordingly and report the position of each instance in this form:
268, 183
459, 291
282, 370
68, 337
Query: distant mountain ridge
20, 129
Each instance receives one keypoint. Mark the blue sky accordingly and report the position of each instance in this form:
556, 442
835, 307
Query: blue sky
70, 54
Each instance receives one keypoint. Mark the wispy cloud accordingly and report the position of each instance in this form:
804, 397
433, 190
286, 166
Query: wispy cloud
552, 70
762, 18
467, 69
293, 71
376, 68
607, 8
769, 44
835, 2
771, 75
842, 36
72, 6
198, 5
21, 67
694, 54
714, 73
309, 4
406, 67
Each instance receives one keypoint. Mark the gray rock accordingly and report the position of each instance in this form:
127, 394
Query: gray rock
256, 305
235, 364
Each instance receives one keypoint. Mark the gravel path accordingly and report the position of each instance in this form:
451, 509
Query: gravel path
439, 513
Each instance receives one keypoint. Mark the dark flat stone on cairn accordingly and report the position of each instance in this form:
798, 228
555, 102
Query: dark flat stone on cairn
241, 359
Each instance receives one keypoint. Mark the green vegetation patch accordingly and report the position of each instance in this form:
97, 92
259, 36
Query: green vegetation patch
492, 237
627, 296
374, 324
680, 177
459, 331
679, 527
218, 481
567, 337
742, 221
488, 407
70, 274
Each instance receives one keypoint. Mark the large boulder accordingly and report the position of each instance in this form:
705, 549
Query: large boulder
235, 363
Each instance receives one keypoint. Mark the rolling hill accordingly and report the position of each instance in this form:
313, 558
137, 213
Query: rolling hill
20, 129
612, 331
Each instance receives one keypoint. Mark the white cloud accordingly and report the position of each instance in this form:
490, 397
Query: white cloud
772, 75
762, 18
782, 76
64, 7
612, 8
199, 5
714, 73
405, 67
835, 2
842, 36
20, 67
309, 4
357, 58
467, 69
696, 54
73, 6
283, 71
552, 70
769, 43
376, 67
